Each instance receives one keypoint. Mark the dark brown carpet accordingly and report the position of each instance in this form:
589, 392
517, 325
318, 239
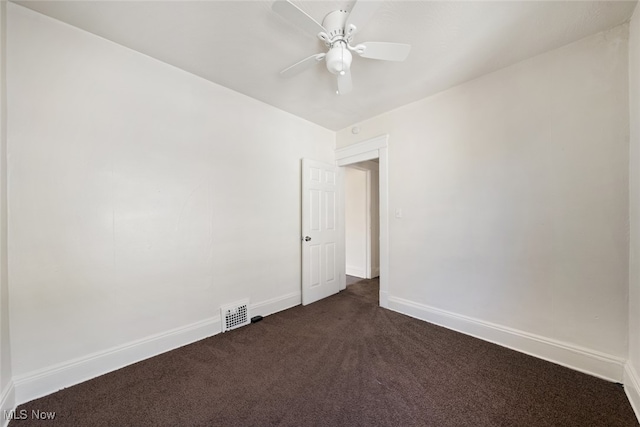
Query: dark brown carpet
342, 361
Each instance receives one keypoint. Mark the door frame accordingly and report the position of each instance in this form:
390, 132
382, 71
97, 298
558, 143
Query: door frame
374, 148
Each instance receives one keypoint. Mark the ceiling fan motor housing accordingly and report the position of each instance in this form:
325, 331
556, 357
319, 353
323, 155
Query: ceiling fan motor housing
334, 23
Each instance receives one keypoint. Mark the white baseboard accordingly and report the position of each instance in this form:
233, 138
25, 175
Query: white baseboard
7, 403
585, 360
53, 378
355, 271
277, 304
632, 388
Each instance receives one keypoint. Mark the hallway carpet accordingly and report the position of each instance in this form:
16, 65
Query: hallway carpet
342, 361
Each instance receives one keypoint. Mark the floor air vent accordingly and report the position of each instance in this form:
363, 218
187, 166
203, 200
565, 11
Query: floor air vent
235, 315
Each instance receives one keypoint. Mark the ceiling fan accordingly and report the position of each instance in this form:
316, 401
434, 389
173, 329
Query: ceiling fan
337, 31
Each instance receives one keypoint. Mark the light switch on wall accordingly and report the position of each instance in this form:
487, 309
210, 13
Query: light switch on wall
398, 213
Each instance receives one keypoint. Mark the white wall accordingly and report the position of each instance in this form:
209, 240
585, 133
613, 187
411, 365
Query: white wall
6, 386
632, 379
141, 199
514, 191
355, 183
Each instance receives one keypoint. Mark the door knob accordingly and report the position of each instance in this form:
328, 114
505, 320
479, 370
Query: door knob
307, 238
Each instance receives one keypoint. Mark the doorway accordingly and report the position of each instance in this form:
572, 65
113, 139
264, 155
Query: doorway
362, 223
374, 148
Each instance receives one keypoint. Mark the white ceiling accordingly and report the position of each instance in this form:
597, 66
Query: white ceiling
243, 45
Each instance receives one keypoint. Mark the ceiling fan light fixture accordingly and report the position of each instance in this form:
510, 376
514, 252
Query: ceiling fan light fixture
338, 59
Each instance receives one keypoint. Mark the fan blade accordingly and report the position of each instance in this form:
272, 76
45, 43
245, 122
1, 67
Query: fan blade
297, 16
344, 83
360, 14
302, 65
384, 51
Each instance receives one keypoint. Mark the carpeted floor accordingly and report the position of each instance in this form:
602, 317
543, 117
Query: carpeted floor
342, 361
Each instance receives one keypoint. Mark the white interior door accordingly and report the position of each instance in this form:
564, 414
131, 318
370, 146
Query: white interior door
320, 231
